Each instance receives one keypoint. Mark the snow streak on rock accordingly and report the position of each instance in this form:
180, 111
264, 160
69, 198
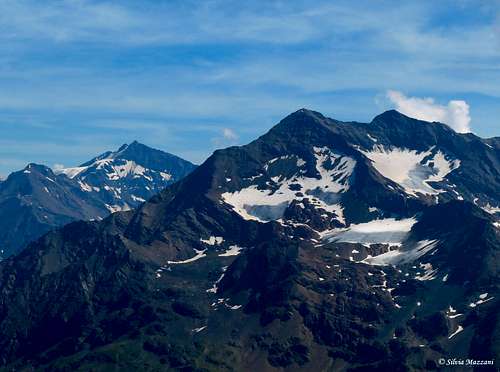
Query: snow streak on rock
407, 253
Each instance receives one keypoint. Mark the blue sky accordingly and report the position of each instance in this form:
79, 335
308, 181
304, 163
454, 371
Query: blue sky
80, 77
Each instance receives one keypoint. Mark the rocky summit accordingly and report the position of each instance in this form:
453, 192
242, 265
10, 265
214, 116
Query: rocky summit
320, 246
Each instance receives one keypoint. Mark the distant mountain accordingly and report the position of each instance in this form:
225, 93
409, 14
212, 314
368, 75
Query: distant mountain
122, 179
37, 199
322, 245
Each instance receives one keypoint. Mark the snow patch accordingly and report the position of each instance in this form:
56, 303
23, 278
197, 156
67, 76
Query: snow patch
385, 231
137, 199
122, 170
117, 208
84, 186
411, 169
404, 254
71, 172
233, 250
165, 176
490, 209
429, 274
482, 299
213, 240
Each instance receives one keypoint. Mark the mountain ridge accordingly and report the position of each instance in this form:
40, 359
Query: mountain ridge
65, 195
298, 251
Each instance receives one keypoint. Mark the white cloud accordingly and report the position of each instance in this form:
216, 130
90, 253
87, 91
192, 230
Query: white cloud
227, 137
229, 134
455, 114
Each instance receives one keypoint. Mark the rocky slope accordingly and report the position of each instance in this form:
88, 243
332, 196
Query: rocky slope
321, 245
37, 199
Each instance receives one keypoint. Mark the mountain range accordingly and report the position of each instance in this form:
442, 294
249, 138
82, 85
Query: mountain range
322, 245
38, 199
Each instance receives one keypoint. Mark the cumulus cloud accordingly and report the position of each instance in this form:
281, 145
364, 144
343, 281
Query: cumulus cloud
227, 137
229, 134
455, 114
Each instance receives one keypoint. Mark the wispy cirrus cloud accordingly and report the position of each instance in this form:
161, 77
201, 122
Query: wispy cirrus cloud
150, 22
174, 74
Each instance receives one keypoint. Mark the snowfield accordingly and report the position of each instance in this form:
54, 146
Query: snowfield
411, 169
263, 205
386, 231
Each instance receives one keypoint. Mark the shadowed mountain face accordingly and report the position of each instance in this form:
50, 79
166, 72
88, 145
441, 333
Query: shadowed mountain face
322, 245
37, 199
